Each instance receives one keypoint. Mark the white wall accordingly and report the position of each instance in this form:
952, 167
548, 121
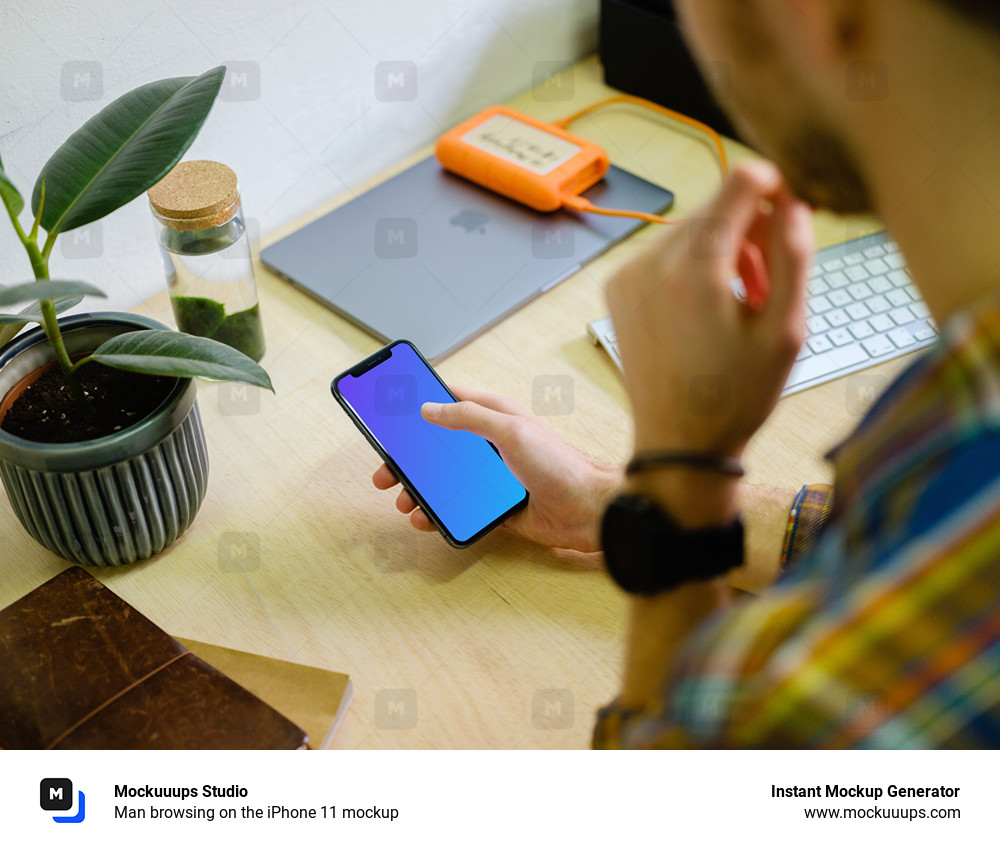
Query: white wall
300, 117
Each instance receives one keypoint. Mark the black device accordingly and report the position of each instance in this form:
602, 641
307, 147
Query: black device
646, 552
457, 478
644, 54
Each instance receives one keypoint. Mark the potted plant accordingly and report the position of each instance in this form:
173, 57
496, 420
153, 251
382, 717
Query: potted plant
102, 452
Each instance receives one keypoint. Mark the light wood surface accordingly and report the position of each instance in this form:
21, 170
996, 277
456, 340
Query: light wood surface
482, 641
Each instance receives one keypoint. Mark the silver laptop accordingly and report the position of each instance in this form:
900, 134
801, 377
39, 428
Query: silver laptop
432, 258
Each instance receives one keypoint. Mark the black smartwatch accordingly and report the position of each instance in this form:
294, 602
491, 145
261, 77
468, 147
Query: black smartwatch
647, 552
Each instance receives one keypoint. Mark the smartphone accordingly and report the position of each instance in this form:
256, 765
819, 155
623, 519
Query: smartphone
457, 477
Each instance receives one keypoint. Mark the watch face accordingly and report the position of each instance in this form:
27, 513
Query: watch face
627, 541
646, 552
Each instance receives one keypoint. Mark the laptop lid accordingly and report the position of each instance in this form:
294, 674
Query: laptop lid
435, 259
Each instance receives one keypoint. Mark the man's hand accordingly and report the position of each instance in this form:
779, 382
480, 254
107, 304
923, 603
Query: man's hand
703, 371
567, 489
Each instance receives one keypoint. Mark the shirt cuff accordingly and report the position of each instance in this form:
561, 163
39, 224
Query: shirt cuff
806, 519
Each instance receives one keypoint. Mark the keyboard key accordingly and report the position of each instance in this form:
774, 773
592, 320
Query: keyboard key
876, 267
837, 279
875, 251
817, 324
882, 323
818, 286
850, 355
858, 311
924, 333
859, 291
804, 352
901, 316
839, 317
815, 272
880, 284
819, 343
920, 310
856, 273
810, 369
823, 364
876, 346
840, 336
895, 259
899, 277
897, 297
839, 297
820, 304
861, 330
901, 338
833, 265
854, 259
878, 304
912, 291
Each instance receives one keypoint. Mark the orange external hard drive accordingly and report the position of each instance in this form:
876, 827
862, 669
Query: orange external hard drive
522, 158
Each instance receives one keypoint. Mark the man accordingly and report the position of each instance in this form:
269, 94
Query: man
884, 630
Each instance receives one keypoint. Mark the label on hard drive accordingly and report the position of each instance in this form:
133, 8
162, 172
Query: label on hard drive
521, 144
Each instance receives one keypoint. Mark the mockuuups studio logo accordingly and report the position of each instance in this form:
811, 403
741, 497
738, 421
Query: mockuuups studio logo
56, 795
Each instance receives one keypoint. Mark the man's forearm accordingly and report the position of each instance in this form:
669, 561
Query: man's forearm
659, 626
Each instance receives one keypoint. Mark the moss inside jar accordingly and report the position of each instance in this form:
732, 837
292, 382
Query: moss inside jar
205, 317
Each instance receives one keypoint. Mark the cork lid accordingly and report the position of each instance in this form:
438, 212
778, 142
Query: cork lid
195, 195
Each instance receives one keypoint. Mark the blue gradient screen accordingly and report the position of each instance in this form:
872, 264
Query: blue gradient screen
458, 474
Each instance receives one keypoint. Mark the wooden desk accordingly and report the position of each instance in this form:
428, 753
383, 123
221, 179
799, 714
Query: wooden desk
294, 553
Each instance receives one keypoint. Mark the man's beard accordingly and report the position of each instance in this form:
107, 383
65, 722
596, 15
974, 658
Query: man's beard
822, 172
815, 160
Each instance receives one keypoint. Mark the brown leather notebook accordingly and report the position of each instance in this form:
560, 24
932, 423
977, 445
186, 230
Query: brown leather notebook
80, 668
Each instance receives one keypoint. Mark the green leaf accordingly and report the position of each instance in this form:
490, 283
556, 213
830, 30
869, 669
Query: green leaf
33, 312
11, 197
123, 150
45, 288
180, 355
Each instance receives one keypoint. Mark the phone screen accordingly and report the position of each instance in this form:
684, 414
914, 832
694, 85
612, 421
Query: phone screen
458, 478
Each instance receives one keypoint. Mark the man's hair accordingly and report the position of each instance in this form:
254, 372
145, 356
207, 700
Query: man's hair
982, 11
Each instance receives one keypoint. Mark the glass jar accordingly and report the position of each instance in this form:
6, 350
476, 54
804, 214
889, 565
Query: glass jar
206, 255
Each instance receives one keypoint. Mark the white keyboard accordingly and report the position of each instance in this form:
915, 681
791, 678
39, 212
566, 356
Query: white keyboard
862, 309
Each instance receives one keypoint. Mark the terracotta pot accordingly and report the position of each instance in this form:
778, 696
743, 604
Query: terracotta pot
117, 499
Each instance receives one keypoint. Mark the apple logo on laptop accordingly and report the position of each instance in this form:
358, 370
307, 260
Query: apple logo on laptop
470, 220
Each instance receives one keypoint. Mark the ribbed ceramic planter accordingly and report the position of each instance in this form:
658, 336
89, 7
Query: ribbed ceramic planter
117, 499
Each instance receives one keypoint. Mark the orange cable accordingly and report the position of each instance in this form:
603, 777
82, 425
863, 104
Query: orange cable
580, 204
